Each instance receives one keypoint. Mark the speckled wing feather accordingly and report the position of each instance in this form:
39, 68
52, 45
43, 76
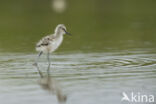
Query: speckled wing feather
45, 41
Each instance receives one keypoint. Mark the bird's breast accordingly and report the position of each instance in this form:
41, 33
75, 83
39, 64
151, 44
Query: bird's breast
56, 43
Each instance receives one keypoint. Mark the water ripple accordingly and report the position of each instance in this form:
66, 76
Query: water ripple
79, 74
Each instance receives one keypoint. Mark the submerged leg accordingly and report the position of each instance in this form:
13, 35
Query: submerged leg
36, 61
48, 58
36, 64
40, 73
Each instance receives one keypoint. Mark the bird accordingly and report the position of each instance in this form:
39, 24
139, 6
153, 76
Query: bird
50, 43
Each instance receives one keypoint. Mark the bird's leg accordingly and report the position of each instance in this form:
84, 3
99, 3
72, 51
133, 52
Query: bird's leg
40, 73
35, 64
36, 61
48, 58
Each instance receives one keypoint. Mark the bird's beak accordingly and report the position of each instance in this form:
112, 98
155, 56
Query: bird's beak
67, 32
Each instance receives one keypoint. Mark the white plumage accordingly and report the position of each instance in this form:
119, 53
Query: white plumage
50, 43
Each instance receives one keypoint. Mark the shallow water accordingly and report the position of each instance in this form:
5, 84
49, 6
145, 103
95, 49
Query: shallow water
111, 50
86, 78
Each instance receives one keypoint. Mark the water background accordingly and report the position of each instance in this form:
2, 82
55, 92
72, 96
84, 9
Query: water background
112, 50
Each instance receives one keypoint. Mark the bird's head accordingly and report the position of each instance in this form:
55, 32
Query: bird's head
61, 29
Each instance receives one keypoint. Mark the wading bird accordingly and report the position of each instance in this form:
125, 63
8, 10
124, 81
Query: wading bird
50, 43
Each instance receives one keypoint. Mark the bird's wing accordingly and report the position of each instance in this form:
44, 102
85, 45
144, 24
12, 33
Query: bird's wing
45, 41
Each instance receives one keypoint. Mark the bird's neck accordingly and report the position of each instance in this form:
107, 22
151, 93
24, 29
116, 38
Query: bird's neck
58, 34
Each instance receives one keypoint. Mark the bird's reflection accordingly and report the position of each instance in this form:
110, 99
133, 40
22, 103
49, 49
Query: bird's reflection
49, 84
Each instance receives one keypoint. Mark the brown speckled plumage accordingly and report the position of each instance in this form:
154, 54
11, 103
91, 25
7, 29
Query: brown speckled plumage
50, 43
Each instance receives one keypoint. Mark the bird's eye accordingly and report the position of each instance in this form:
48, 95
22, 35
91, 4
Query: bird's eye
62, 28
